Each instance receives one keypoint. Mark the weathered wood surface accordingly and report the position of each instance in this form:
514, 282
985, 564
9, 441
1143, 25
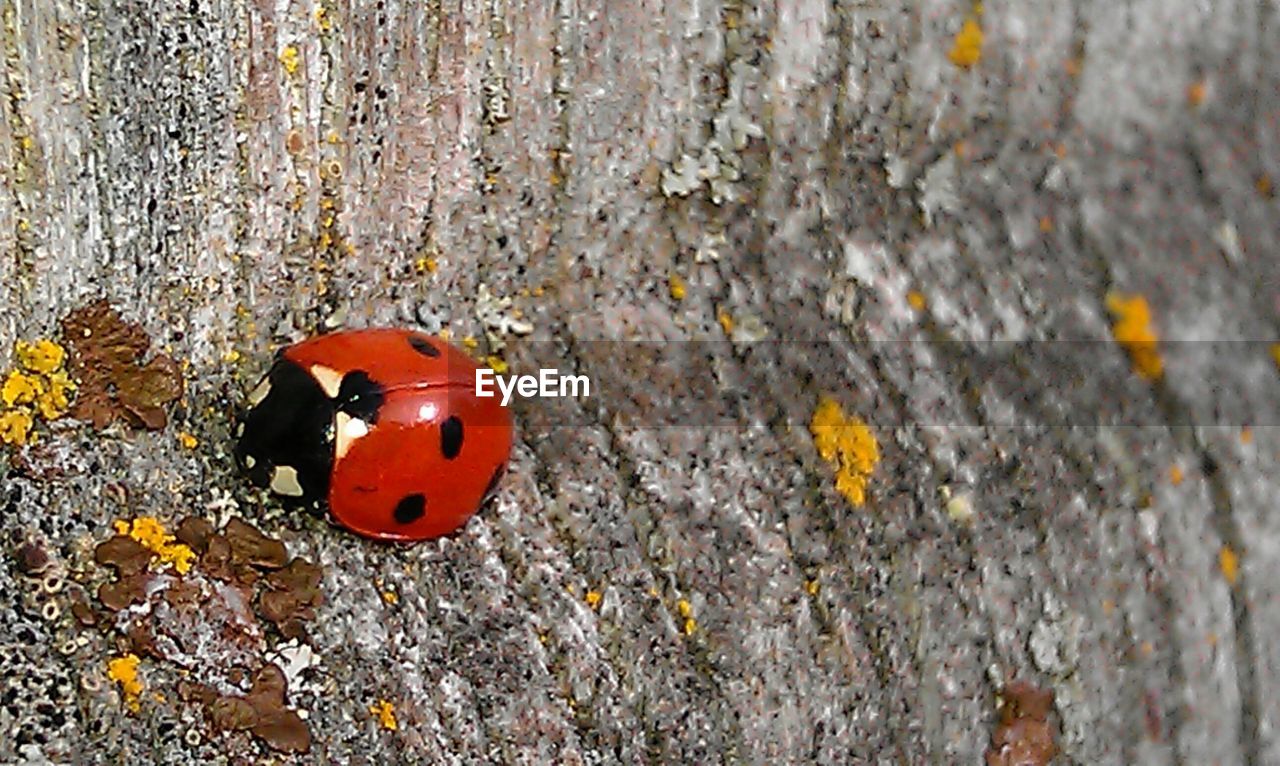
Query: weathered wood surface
234, 175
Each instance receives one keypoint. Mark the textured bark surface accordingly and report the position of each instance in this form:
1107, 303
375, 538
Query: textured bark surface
236, 175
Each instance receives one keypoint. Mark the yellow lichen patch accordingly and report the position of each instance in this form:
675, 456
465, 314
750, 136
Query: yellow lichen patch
54, 402
40, 386
15, 427
497, 364
1175, 475
124, 671
812, 587
153, 536
726, 321
849, 445
21, 388
593, 598
289, 58
322, 19
1229, 563
677, 286
471, 343
43, 356
1275, 353
187, 440
686, 611
1196, 92
916, 300
966, 49
1132, 329
385, 712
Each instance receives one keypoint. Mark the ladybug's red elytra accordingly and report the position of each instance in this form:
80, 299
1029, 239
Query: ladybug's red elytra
383, 426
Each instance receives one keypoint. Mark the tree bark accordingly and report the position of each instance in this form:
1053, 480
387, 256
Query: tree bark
844, 211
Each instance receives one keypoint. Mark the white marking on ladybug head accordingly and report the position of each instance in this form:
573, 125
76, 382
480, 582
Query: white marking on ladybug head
428, 411
260, 392
249, 462
330, 380
284, 481
349, 429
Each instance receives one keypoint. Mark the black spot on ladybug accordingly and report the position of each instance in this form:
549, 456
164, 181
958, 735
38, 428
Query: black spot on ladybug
289, 427
410, 509
498, 473
359, 396
423, 346
451, 437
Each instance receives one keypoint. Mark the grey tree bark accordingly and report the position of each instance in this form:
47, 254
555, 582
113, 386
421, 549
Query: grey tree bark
848, 213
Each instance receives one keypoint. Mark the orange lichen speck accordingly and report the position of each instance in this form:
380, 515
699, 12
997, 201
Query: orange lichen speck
967, 47
385, 712
848, 444
677, 286
124, 671
1132, 329
1229, 563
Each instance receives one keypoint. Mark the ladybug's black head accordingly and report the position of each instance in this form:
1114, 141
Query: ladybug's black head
286, 434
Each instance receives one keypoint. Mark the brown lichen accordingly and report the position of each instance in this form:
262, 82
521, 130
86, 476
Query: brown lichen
127, 555
107, 359
262, 711
249, 546
1024, 736
292, 596
230, 571
33, 559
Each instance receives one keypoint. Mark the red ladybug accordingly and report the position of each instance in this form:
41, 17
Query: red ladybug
382, 425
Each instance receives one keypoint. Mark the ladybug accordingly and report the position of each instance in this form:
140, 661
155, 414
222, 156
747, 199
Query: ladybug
382, 426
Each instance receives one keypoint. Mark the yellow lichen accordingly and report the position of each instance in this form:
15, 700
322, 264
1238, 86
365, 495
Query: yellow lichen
849, 445
677, 286
1175, 475
55, 400
386, 714
1196, 92
21, 388
1132, 329
1275, 353
966, 49
152, 535
187, 440
593, 598
289, 59
686, 611
497, 364
726, 321
1229, 563
15, 427
916, 300
124, 671
39, 386
44, 356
